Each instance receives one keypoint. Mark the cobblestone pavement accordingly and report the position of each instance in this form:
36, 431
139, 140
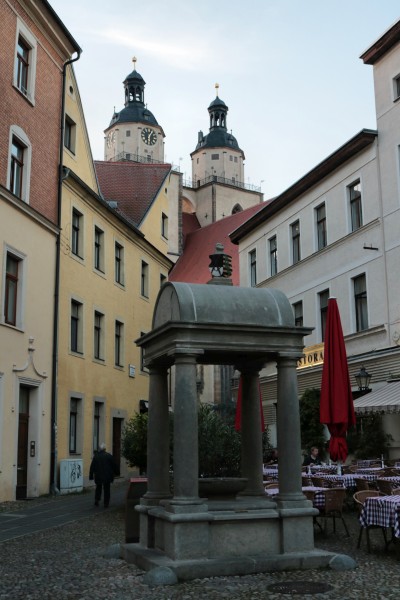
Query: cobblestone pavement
78, 561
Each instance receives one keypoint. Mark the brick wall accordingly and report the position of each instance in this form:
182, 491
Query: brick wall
40, 122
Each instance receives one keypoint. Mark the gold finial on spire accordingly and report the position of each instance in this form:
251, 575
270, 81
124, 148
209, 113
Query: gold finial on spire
134, 59
216, 88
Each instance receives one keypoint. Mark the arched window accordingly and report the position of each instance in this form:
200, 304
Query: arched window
237, 208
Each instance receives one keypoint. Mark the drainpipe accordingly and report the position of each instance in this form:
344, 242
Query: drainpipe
54, 387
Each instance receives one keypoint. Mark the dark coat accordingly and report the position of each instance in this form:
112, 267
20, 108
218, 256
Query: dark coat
103, 467
310, 460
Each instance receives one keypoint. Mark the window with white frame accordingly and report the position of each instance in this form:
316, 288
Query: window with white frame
295, 232
19, 164
323, 309
354, 192
164, 226
298, 313
99, 249
273, 255
25, 62
76, 332
253, 268
360, 302
396, 87
98, 335
13, 288
97, 425
119, 263
119, 344
144, 281
74, 424
70, 134
320, 218
77, 233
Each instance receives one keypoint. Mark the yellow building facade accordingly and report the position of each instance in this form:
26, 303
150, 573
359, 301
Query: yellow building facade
109, 279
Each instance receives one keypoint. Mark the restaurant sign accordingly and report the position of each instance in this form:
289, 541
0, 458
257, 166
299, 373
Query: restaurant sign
312, 356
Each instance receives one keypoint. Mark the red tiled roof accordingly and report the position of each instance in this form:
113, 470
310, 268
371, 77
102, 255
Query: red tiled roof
192, 266
190, 223
133, 186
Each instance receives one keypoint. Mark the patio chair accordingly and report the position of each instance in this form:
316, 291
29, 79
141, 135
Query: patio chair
319, 482
361, 484
386, 487
270, 485
396, 492
391, 472
306, 480
309, 494
353, 469
333, 509
359, 499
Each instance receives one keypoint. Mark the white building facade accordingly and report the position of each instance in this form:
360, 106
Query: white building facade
335, 232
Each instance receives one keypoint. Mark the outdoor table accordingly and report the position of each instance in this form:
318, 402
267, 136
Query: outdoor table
347, 480
319, 498
369, 470
327, 468
271, 473
393, 479
383, 511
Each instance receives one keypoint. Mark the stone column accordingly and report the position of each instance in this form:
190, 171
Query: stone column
186, 447
158, 436
288, 430
252, 458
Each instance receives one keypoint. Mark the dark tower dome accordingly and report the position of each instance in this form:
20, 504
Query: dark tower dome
218, 136
135, 110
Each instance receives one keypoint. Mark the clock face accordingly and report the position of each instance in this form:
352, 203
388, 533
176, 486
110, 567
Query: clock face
149, 136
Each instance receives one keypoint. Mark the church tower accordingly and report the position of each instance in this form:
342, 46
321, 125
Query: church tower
217, 154
133, 133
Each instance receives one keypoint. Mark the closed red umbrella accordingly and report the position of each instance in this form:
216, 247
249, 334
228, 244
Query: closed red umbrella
336, 405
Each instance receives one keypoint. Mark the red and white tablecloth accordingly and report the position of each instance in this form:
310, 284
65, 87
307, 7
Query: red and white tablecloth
383, 511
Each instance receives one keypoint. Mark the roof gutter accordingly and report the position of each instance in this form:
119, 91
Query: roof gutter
54, 385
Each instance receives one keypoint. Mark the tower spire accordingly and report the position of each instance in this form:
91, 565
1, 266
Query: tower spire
216, 89
134, 59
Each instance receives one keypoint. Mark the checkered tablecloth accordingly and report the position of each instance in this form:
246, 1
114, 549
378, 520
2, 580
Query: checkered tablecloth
271, 474
393, 479
383, 511
319, 498
369, 470
347, 480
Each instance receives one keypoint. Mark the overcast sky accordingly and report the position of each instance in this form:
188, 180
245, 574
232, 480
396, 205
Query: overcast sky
289, 71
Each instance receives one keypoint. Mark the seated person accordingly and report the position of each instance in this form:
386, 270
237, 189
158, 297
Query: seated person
312, 458
272, 458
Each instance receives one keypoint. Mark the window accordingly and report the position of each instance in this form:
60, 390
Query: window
128, 133
295, 229
396, 87
98, 331
76, 326
163, 279
77, 233
273, 256
320, 215
298, 314
70, 134
323, 308
355, 205
119, 344
22, 65
236, 159
99, 249
25, 62
96, 425
142, 354
164, 226
360, 302
73, 424
253, 267
119, 263
11, 289
19, 166
144, 284
214, 156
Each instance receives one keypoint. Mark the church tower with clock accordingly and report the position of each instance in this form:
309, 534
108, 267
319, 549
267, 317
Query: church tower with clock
133, 133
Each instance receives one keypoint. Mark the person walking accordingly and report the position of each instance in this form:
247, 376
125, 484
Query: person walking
103, 469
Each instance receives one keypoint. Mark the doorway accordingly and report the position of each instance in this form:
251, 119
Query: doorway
23, 431
116, 441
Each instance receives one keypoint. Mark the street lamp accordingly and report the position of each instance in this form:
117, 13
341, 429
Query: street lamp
363, 378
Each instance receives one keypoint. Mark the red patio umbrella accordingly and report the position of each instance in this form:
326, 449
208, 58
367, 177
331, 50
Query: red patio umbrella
336, 404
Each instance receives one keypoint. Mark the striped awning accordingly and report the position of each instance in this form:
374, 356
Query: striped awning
386, 399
